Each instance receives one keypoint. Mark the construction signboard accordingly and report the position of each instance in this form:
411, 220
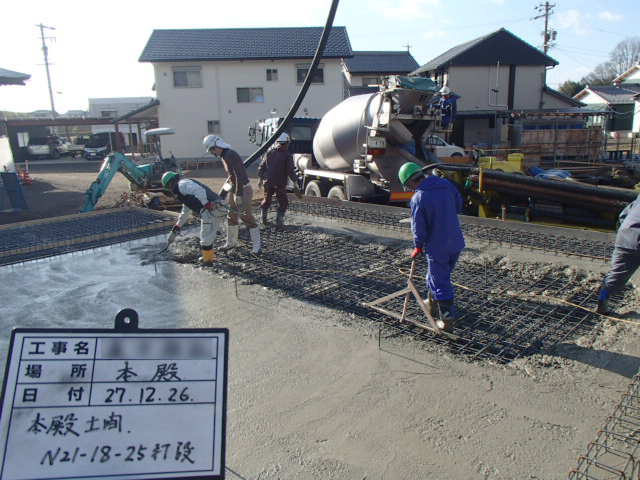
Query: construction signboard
114, 404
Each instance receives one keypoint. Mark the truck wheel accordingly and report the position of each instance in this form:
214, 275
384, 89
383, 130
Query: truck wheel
456, 154
315, 189
337, 192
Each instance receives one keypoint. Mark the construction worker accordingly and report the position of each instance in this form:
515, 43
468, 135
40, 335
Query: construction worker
436, 233
449, 107
241, 193
275, 169
625, 258
198, 198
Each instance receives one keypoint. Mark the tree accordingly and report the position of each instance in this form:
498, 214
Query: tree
624, 56
571, 88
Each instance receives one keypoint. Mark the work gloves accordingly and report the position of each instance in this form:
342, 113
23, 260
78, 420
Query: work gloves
208, 206
416, 251
297, 191
173, 234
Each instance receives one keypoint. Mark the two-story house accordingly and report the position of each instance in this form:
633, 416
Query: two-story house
220, 81
620, 99
366, 69
494, 77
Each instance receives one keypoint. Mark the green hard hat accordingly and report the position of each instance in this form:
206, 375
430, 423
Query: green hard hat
407, 171
167, 177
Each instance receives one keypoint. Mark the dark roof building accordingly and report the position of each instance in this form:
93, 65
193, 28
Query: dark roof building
613, 94
243, 44
381, 63
499, 46
9, 77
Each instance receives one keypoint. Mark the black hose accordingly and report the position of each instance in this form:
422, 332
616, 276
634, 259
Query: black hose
303, 90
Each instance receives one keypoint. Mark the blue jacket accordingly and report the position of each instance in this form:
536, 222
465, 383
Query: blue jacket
434, 219
629, 231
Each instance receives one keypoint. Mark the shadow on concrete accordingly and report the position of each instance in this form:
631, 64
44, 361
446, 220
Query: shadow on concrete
625, 365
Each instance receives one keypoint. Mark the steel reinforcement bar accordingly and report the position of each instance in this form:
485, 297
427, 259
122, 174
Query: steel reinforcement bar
45, 238
553, 240
615, 453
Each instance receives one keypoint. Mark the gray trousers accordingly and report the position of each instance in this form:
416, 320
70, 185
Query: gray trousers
624, 263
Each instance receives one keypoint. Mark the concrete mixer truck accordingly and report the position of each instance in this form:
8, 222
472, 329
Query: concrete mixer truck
361, 143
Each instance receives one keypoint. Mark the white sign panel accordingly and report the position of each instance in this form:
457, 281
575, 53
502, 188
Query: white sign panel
148, 404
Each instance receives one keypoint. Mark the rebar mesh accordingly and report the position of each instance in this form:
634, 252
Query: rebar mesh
542, 242
616, 451
55, 237
495, 322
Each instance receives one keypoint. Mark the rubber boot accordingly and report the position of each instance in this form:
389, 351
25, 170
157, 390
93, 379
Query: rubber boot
280, 220
446, 319
603, 302
232, 236
207, 255
265, 212
255, 239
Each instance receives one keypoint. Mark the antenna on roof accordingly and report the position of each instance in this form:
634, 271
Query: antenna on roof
408, 45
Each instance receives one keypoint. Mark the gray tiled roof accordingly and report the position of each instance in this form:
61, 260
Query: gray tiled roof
243, 44
616, 95
400, 62
501, 45
9, 77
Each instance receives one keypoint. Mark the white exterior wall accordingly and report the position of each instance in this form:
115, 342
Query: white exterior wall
187, 110
636, 117
591, 98
475, 85
632, 78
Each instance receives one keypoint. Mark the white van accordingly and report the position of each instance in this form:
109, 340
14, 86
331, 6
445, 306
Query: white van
442, 148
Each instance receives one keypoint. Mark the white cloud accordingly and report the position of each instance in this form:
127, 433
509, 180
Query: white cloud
574, 20
406, 9
610, 17
433, 33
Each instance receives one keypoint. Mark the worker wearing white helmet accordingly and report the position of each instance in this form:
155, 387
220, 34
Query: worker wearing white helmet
275, 169
449, 107
199, 199
241, 193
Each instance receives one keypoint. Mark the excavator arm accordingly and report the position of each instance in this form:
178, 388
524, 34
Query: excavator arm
116, 162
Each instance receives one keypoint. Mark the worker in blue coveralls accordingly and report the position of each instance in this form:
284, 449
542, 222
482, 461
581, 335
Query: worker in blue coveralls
625, 259
449, 107
436, 233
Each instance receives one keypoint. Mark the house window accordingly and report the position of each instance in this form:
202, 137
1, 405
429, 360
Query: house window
272, 74
366, 81
213, 126
303, 68
187, 77
109, 113
250, 95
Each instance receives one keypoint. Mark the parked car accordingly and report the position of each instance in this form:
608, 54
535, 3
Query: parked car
442, 148
101, 144
43, 147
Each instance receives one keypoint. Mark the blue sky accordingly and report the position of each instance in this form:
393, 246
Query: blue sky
95, 49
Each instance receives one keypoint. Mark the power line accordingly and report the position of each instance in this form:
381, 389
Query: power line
549, 34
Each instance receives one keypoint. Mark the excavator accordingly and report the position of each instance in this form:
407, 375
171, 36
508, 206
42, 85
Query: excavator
142, 177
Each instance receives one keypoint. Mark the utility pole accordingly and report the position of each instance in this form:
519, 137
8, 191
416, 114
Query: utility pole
45, 51
549, 35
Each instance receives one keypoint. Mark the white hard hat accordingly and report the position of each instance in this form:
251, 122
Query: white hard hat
283, 138
211, 141
445, 90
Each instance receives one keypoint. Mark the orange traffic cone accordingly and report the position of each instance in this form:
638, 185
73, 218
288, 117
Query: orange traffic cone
26, 179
